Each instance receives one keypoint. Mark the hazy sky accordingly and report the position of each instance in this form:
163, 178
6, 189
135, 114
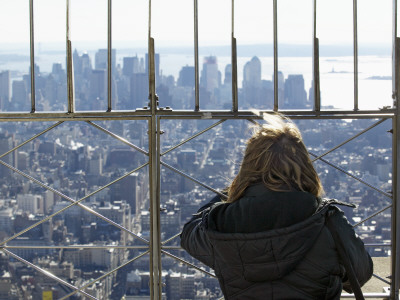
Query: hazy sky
172, 21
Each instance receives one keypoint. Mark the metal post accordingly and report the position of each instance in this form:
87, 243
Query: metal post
109, 57
316, 88
196, 55
395, 281
32, 53
154, 158
70, 66
395, 210
234, 63
355, 48
276, 86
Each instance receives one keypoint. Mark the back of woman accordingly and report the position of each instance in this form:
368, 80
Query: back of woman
268, 239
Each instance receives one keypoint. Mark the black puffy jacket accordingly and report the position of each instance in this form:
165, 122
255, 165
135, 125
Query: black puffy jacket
275, 245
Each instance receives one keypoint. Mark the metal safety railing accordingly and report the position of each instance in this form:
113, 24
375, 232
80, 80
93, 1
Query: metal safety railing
155, 247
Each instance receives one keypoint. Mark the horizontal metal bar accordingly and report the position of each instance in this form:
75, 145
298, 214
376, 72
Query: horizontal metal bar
353, 176
188, 263
380, 245
350, 139
193, 179
96, 115
76, 247
105, 275
121, 139
367, 295
44, 272
192, 137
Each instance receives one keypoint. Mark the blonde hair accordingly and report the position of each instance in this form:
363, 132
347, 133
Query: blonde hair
277, 157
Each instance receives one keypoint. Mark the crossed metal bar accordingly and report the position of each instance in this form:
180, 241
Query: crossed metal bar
4, 246
317, 157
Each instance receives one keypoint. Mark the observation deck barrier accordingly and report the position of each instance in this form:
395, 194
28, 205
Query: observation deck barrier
157, 158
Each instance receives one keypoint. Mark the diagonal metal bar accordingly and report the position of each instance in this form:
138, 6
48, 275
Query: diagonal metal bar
188, 263
350, 139
193, 179
373, 215
73, 203
171, 238
121, 139
381, 279
104, 275
47, 273
352, 176
192, 137
31, 139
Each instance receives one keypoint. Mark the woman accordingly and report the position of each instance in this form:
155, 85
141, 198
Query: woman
268, 239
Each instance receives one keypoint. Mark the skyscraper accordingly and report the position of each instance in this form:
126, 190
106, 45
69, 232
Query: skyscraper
186, 77
252, 73
130, 66
4, 89
19, 95
139, 90
210, 77
101, 58
295, 94
98, 85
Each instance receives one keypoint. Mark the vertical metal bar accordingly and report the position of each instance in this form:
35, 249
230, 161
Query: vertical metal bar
109, 57
394, 288
316, 87
395, 282
32, 54
70, 65
234, 63
395, 65
155, 235
276, 86
355, 54
196, 56
155, 240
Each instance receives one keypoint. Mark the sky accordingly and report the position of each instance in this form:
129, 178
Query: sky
172, 21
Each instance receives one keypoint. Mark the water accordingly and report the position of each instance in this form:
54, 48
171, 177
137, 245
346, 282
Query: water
336, 74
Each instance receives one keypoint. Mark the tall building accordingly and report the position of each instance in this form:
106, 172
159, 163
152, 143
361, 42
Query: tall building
6, 144
101, 59
252, 73
19, 95
139, 90
295, 94
252, 91
4, 89
210, 77
186, 77
98, 85
30, 203
228, 74
130, 66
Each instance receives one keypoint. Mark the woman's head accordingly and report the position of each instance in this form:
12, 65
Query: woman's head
277, 157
